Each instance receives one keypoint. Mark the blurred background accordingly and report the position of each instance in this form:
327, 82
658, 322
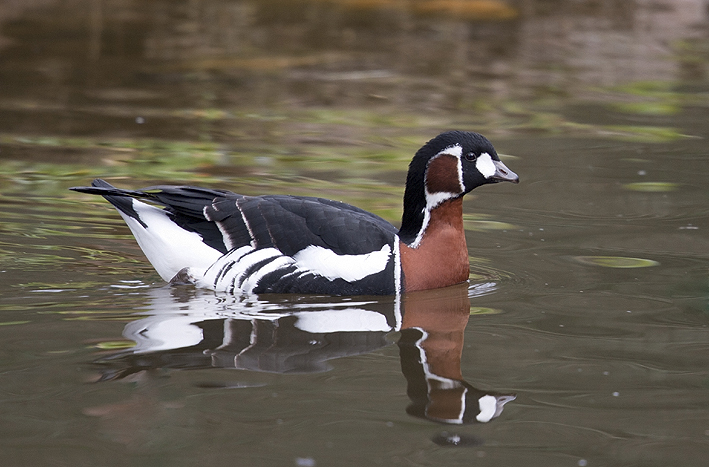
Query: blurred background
106, 83
589, 294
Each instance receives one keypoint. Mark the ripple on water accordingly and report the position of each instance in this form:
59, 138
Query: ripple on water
457, 440
652, 187
616, 262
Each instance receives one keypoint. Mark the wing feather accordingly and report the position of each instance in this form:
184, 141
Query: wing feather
227, 220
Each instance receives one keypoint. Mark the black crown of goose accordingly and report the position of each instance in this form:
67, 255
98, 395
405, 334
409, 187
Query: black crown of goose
291, 225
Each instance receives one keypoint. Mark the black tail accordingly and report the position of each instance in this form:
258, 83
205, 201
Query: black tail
120, 199
184, 203
186, 200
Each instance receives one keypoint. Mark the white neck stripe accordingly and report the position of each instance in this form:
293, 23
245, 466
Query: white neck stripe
397, 283
397, 265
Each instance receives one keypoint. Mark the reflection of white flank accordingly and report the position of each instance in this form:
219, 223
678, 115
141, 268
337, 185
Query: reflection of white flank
161, 333
176, 331
351, 268
174, 324
347, 320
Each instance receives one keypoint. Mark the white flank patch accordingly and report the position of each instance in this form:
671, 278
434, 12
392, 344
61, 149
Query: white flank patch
239, 261
488, 407
277, 263
485, 165
351, 268
347, 320
229, 270
168, 247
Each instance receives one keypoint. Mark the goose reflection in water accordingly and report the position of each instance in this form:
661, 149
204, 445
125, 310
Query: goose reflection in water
192, 329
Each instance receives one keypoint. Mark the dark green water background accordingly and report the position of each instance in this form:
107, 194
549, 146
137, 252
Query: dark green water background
590, 279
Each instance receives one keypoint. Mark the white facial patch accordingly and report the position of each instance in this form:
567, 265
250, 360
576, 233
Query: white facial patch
485, 165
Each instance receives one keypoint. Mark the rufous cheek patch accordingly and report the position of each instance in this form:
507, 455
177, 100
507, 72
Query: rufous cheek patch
442, 175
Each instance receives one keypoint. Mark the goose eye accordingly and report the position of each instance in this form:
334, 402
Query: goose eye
471, 156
